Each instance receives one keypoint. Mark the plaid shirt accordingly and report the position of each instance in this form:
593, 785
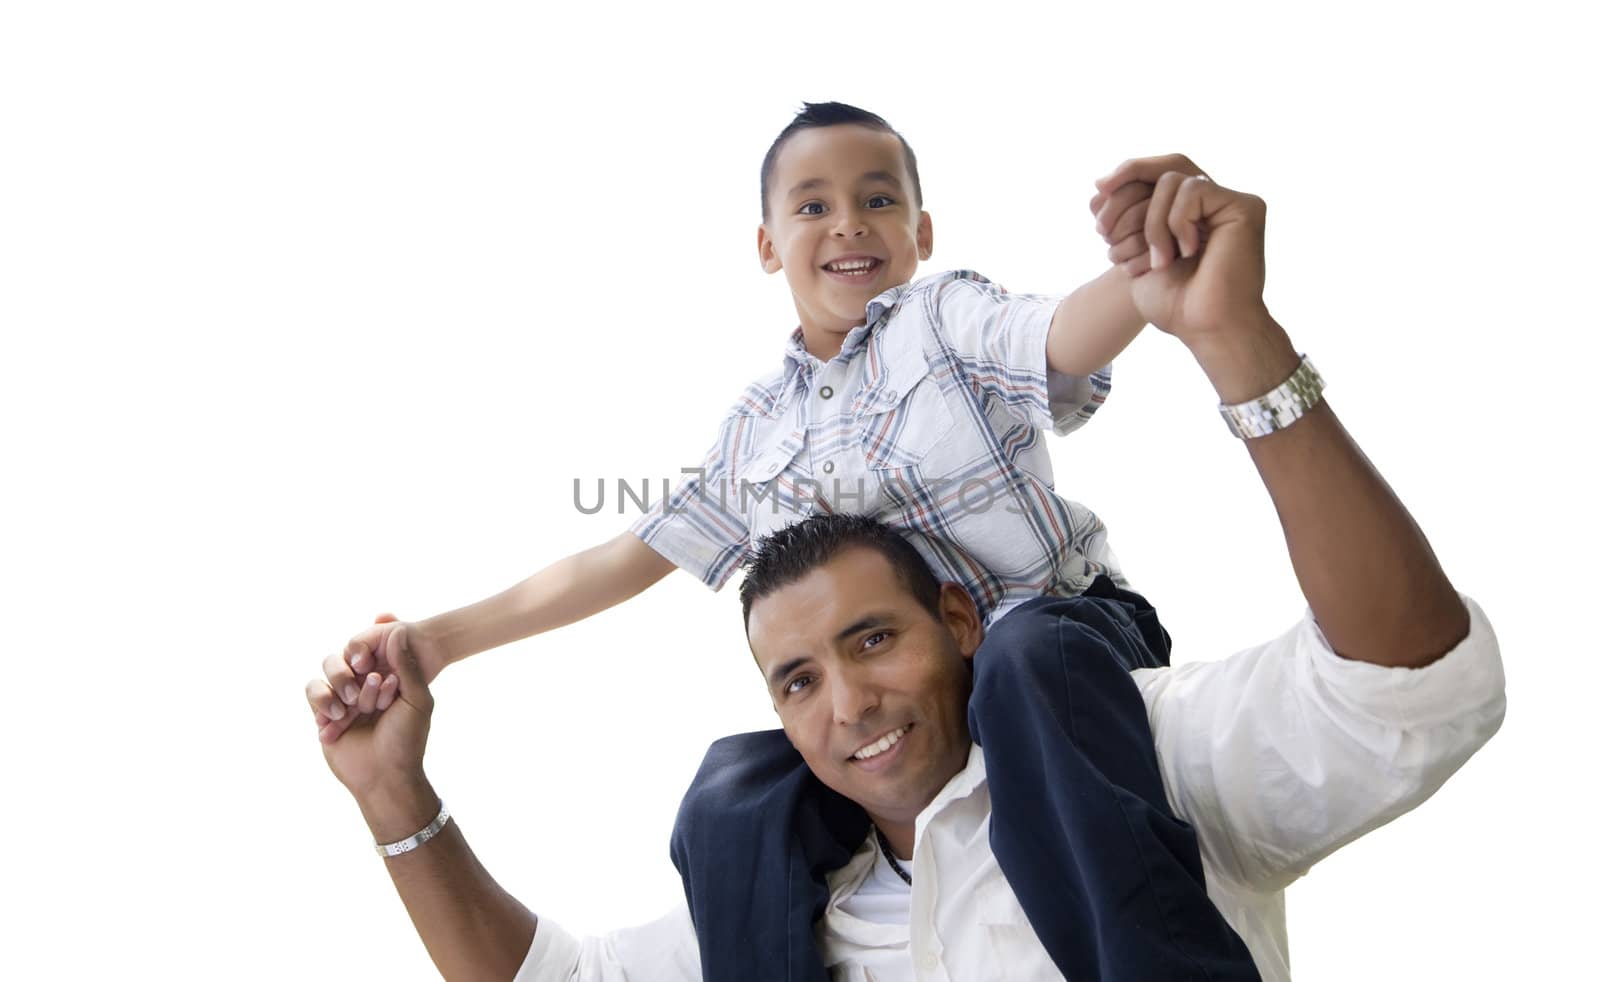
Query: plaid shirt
929, 419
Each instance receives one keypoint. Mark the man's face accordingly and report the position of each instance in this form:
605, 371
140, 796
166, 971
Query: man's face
841, 195
853, 662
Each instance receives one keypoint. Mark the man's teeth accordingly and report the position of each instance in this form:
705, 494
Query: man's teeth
856, 267
874, 749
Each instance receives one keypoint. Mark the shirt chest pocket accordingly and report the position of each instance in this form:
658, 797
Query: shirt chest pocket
903, 418
771, 490
1011, 942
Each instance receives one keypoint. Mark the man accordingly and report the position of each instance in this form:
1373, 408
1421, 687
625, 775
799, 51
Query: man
1275, 756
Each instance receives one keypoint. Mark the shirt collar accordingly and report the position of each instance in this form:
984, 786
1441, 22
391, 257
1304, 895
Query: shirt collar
847, 879
878, 308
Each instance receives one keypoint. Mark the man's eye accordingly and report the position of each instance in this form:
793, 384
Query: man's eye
885, 200
796, 684
874, 639
811, 204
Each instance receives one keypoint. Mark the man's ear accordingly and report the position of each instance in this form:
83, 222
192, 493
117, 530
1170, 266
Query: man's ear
960, 617
766, 250
925, 236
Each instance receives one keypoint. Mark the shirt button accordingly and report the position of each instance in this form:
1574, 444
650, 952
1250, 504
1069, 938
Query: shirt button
928, 961
827, 468
891, 395
826, 392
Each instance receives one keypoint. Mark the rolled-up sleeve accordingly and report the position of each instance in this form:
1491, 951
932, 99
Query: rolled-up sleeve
698, 526
1001, 337
1281, 754
663, 950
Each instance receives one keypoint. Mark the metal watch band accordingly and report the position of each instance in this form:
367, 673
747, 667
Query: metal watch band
411, 842
1278, 408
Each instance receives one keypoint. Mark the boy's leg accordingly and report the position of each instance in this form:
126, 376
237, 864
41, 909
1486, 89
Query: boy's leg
755, 838
1110, 877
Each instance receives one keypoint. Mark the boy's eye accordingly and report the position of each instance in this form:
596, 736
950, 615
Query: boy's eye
874, 639
805, 209
884, 198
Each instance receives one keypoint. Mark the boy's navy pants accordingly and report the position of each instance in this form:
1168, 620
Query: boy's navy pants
1109, 877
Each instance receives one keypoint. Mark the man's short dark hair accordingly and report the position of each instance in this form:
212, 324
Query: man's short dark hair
817, 114
795, 550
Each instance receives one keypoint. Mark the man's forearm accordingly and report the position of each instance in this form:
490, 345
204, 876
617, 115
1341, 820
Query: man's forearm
1092, 325
472, 928
1373, 583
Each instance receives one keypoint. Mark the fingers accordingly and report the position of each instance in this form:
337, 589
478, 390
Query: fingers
1112, 218
342, 682
368, 701
1146, 169
1188, 210
333, 717
363, 651
323, 703
388, 692
400, 655
1131, 224
1129, 248
1163, 248
1175, 225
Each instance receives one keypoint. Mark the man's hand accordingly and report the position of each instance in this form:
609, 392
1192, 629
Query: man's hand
383, 749
1205, 268
360, 680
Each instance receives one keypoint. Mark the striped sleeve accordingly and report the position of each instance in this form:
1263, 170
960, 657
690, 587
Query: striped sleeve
697, 525
1000, 337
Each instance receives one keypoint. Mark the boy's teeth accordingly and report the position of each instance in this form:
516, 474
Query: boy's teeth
874, 749
853, 266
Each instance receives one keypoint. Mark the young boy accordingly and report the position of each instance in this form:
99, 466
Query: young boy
918, 403
863, 416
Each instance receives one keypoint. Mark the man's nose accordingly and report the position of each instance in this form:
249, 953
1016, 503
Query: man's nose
853, 698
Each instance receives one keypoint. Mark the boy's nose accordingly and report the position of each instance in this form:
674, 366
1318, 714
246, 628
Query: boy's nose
849, 225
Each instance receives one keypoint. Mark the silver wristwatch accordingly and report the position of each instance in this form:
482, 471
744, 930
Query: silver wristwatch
1278, 408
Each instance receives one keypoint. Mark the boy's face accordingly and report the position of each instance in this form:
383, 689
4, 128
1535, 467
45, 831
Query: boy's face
841, 195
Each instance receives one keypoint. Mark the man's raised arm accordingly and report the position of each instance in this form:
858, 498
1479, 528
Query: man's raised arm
1372, 582
473, 929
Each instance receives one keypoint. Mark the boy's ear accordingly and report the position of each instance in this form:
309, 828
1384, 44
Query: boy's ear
767, 251
925, 236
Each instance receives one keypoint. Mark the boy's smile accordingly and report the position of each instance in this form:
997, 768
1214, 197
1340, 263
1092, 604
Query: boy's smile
844, 227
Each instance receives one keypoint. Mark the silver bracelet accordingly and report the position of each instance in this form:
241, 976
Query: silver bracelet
1297, 396
411, 842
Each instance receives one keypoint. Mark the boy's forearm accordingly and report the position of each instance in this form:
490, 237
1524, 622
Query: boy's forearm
566, 591
1092, 325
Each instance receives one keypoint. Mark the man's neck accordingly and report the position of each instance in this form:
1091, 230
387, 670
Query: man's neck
901, 836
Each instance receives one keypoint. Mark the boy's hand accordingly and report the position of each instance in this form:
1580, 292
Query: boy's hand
1203, 276
362, 679
1119, 215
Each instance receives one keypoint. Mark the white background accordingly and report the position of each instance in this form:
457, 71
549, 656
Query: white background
313, 310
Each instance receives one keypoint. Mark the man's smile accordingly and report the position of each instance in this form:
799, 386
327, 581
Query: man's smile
879, 753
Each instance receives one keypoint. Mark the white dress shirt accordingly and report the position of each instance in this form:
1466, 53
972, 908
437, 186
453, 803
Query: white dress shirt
1277, 756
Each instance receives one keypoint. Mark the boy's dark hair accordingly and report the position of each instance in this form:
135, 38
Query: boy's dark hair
817, 114
795, 550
